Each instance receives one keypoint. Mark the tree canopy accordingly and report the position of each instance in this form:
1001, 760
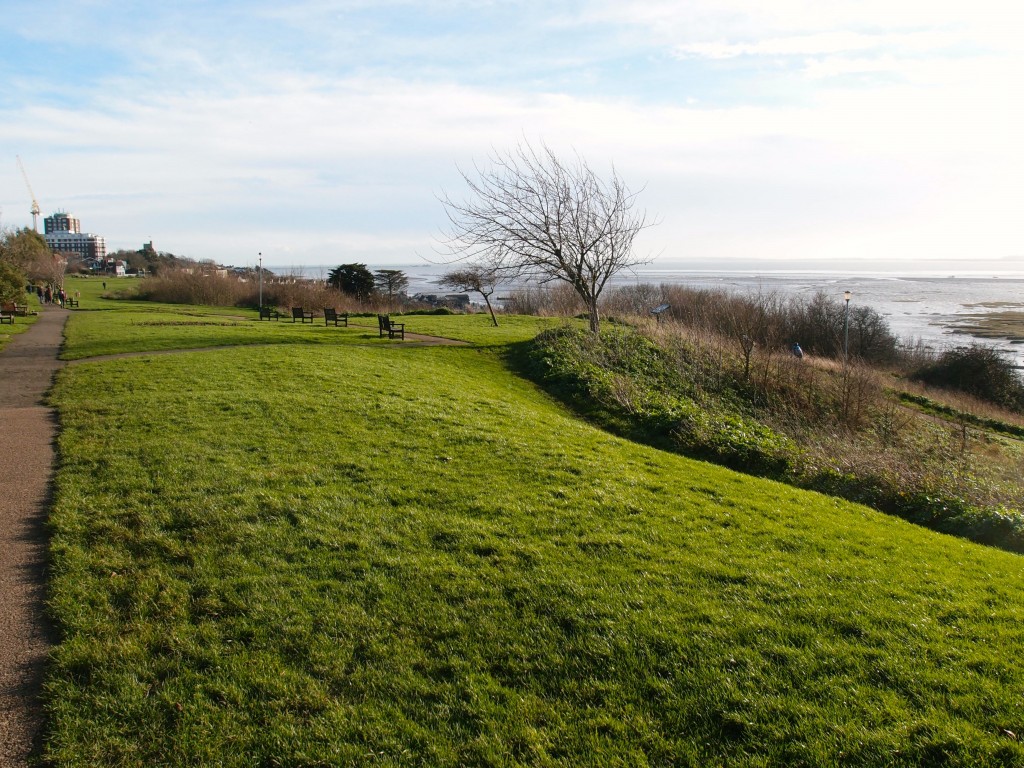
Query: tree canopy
532, 215
23, 254
12, 282
352, 279
150, 260
479, 278
24, 248
391, 282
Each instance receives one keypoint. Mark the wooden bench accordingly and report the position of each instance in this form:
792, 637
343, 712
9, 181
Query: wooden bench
298, 313
70, 302
21, 310
393, 330
330, 316
6, 318
266, 313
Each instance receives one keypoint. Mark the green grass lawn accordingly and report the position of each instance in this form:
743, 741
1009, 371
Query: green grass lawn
91, 290
348, 554
478, 328
163, 327
118, 327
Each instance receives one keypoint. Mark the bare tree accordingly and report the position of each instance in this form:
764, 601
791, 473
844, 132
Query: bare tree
536, 217
50, 268
479, 278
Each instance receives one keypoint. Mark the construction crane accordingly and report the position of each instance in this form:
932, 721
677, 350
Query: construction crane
35, 203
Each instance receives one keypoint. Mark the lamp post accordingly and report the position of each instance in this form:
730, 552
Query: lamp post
846, 327
261, 279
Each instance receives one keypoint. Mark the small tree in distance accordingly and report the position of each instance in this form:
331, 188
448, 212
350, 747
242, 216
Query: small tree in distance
390, 282
534, 216
474, 277
352, 279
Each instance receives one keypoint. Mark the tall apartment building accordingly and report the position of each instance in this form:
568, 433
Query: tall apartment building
63, 233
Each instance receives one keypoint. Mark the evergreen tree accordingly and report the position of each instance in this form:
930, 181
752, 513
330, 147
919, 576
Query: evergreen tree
391, 282
352, 279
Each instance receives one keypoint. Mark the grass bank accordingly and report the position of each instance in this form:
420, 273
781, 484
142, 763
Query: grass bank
836, 429
337, 554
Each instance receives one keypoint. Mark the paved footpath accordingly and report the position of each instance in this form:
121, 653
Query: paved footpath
27, 432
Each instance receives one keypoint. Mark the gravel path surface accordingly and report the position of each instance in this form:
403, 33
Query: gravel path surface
27, 432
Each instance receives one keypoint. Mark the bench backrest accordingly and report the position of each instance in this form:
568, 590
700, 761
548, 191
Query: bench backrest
384, 322
297, 313
330, 314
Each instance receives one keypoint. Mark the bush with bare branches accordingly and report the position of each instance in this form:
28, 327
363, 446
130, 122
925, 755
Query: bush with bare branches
557, 300
766, 318
230, 290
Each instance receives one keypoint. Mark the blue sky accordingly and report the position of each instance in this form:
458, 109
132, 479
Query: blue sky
324, 132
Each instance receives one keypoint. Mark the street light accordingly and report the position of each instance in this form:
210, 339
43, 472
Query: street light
261, 279
846, 327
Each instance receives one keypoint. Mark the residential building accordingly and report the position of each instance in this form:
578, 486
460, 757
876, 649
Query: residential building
63, 233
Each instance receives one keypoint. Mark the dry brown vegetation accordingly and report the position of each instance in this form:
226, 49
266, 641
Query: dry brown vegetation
849, 420
282, 292
729, 389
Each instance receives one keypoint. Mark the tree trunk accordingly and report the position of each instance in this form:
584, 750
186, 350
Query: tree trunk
490, 309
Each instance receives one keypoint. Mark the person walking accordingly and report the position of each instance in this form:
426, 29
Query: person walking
797, 352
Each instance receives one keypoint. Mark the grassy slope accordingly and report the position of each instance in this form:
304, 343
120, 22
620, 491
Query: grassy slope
322, 555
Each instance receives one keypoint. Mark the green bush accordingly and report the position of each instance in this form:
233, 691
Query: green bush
977, 370
12, 282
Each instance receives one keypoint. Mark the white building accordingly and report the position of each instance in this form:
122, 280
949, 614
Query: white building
63, 233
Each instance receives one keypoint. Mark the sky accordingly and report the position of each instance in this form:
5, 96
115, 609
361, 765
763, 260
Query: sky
320, 132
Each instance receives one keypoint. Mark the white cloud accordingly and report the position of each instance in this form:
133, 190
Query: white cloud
840, 41
317, 159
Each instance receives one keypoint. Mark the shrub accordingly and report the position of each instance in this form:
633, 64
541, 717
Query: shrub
194, 287
212, 289
767, 318
558, 299
978, 370
12, 282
